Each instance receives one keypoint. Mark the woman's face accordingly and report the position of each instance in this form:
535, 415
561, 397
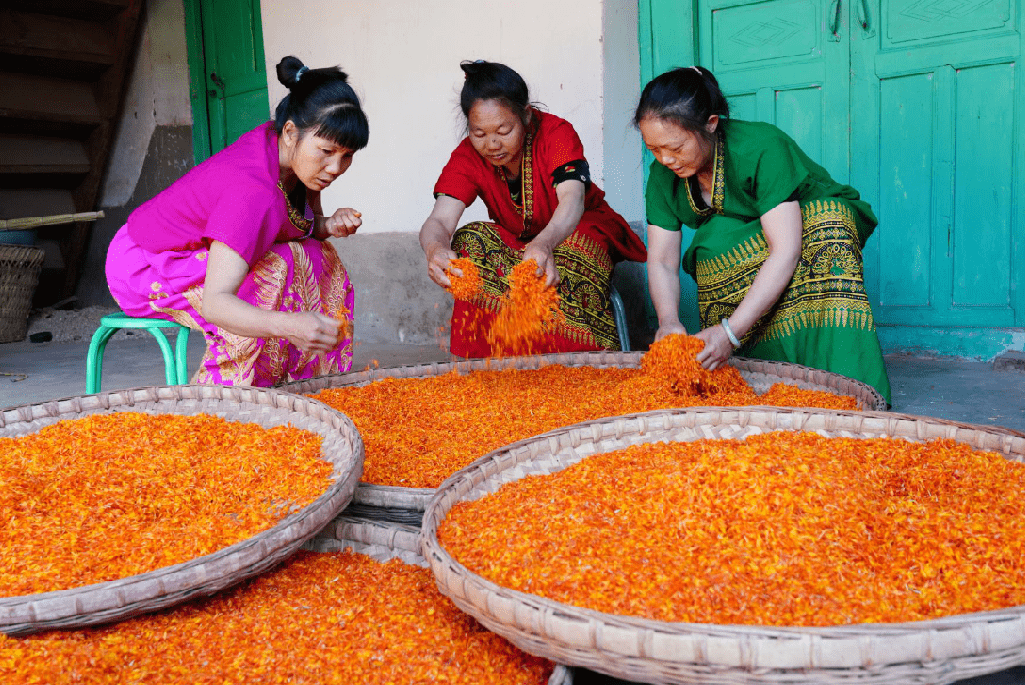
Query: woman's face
316, 161
497, 134
683, 152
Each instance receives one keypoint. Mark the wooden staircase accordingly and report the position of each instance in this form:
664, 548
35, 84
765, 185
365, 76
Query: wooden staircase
64, 66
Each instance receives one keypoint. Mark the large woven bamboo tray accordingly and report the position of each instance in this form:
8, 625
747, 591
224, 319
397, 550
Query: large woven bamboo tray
342, 446
386, 541
936, 651
406, 505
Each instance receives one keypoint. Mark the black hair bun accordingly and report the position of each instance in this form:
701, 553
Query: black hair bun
291, 73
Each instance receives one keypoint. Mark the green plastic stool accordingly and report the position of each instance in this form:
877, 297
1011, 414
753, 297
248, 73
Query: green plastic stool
176, 367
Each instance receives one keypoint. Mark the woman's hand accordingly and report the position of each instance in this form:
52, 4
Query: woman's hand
342, 223
718, 347
670, 328
438, 262
541, 252
312, 332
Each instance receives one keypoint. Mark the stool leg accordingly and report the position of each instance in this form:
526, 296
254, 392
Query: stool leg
94, 358
619, 314
170, 373
181, 354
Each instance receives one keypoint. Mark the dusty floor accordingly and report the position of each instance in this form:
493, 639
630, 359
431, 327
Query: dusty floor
972, 392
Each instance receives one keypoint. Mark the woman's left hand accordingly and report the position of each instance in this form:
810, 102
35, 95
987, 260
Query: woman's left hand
718, 347
342, 223
541, 253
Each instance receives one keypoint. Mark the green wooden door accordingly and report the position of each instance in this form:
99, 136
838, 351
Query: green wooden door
229, 76
782, 62
936, 134
914, 102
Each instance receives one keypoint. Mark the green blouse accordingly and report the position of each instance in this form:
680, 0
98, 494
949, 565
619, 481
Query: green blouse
756, 167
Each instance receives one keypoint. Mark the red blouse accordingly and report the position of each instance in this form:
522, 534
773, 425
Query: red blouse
553, 143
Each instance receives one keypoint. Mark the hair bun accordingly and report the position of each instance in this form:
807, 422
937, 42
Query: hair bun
288, 71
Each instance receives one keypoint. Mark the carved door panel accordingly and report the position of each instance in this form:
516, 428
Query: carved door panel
937, 141
785, 62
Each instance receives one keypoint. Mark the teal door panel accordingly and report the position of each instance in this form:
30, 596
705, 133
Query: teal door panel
779, 61
935, 135
231, 59
916, 103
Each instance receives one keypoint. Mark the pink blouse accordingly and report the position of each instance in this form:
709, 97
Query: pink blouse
233, 198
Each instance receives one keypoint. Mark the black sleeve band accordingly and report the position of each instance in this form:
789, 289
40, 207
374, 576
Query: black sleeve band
577, 170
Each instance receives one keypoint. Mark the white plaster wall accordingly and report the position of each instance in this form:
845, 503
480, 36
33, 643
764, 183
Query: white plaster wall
403, 59
158, 95
624, 174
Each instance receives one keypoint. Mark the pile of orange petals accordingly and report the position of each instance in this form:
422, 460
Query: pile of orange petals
526, 314
674, 360
419, 431
114, 495
782, 529
467, 285
319, 619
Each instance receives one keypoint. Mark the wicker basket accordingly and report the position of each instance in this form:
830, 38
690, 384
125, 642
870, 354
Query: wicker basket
406, 505
936, 651
19, 273
386, 541
164, 587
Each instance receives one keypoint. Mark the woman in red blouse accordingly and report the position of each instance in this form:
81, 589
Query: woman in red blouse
529, 169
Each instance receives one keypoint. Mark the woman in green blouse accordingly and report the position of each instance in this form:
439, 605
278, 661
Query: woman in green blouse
777, 246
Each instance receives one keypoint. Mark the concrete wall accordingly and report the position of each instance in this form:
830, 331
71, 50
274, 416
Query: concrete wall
153, 146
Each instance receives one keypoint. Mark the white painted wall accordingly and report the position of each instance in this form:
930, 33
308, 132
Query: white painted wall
403, 59
158, 95
624, 173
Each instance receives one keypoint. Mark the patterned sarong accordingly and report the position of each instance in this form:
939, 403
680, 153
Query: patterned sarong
296, 276
585, 267
823, 319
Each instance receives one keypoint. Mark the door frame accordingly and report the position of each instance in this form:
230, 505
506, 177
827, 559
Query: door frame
197, 80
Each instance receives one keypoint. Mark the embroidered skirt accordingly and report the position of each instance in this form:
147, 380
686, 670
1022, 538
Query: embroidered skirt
585, 266
295, 276
822, 320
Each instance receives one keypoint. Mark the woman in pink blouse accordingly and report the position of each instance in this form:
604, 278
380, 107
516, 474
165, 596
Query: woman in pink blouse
238, 246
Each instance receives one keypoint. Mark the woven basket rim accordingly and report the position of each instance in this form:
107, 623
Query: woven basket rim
416, 499
385, 541
59, 608
441, 561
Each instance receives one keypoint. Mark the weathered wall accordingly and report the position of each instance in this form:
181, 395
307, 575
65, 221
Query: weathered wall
153, 146
403, 59
580, 61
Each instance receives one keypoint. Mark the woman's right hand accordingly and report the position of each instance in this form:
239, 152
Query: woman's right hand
670, 329
437, 262
312, 332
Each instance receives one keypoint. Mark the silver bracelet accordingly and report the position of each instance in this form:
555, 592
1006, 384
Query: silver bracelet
729, 332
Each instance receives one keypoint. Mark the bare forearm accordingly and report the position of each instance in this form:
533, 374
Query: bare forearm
241, 318
664, 286
771, 281
564, 221
434, 235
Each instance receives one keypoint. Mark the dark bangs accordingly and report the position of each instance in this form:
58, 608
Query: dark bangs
344, 124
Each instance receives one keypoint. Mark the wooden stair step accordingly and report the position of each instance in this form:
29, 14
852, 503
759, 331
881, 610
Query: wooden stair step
59, 38
15, 204
38, 98
34, 155
94, 10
